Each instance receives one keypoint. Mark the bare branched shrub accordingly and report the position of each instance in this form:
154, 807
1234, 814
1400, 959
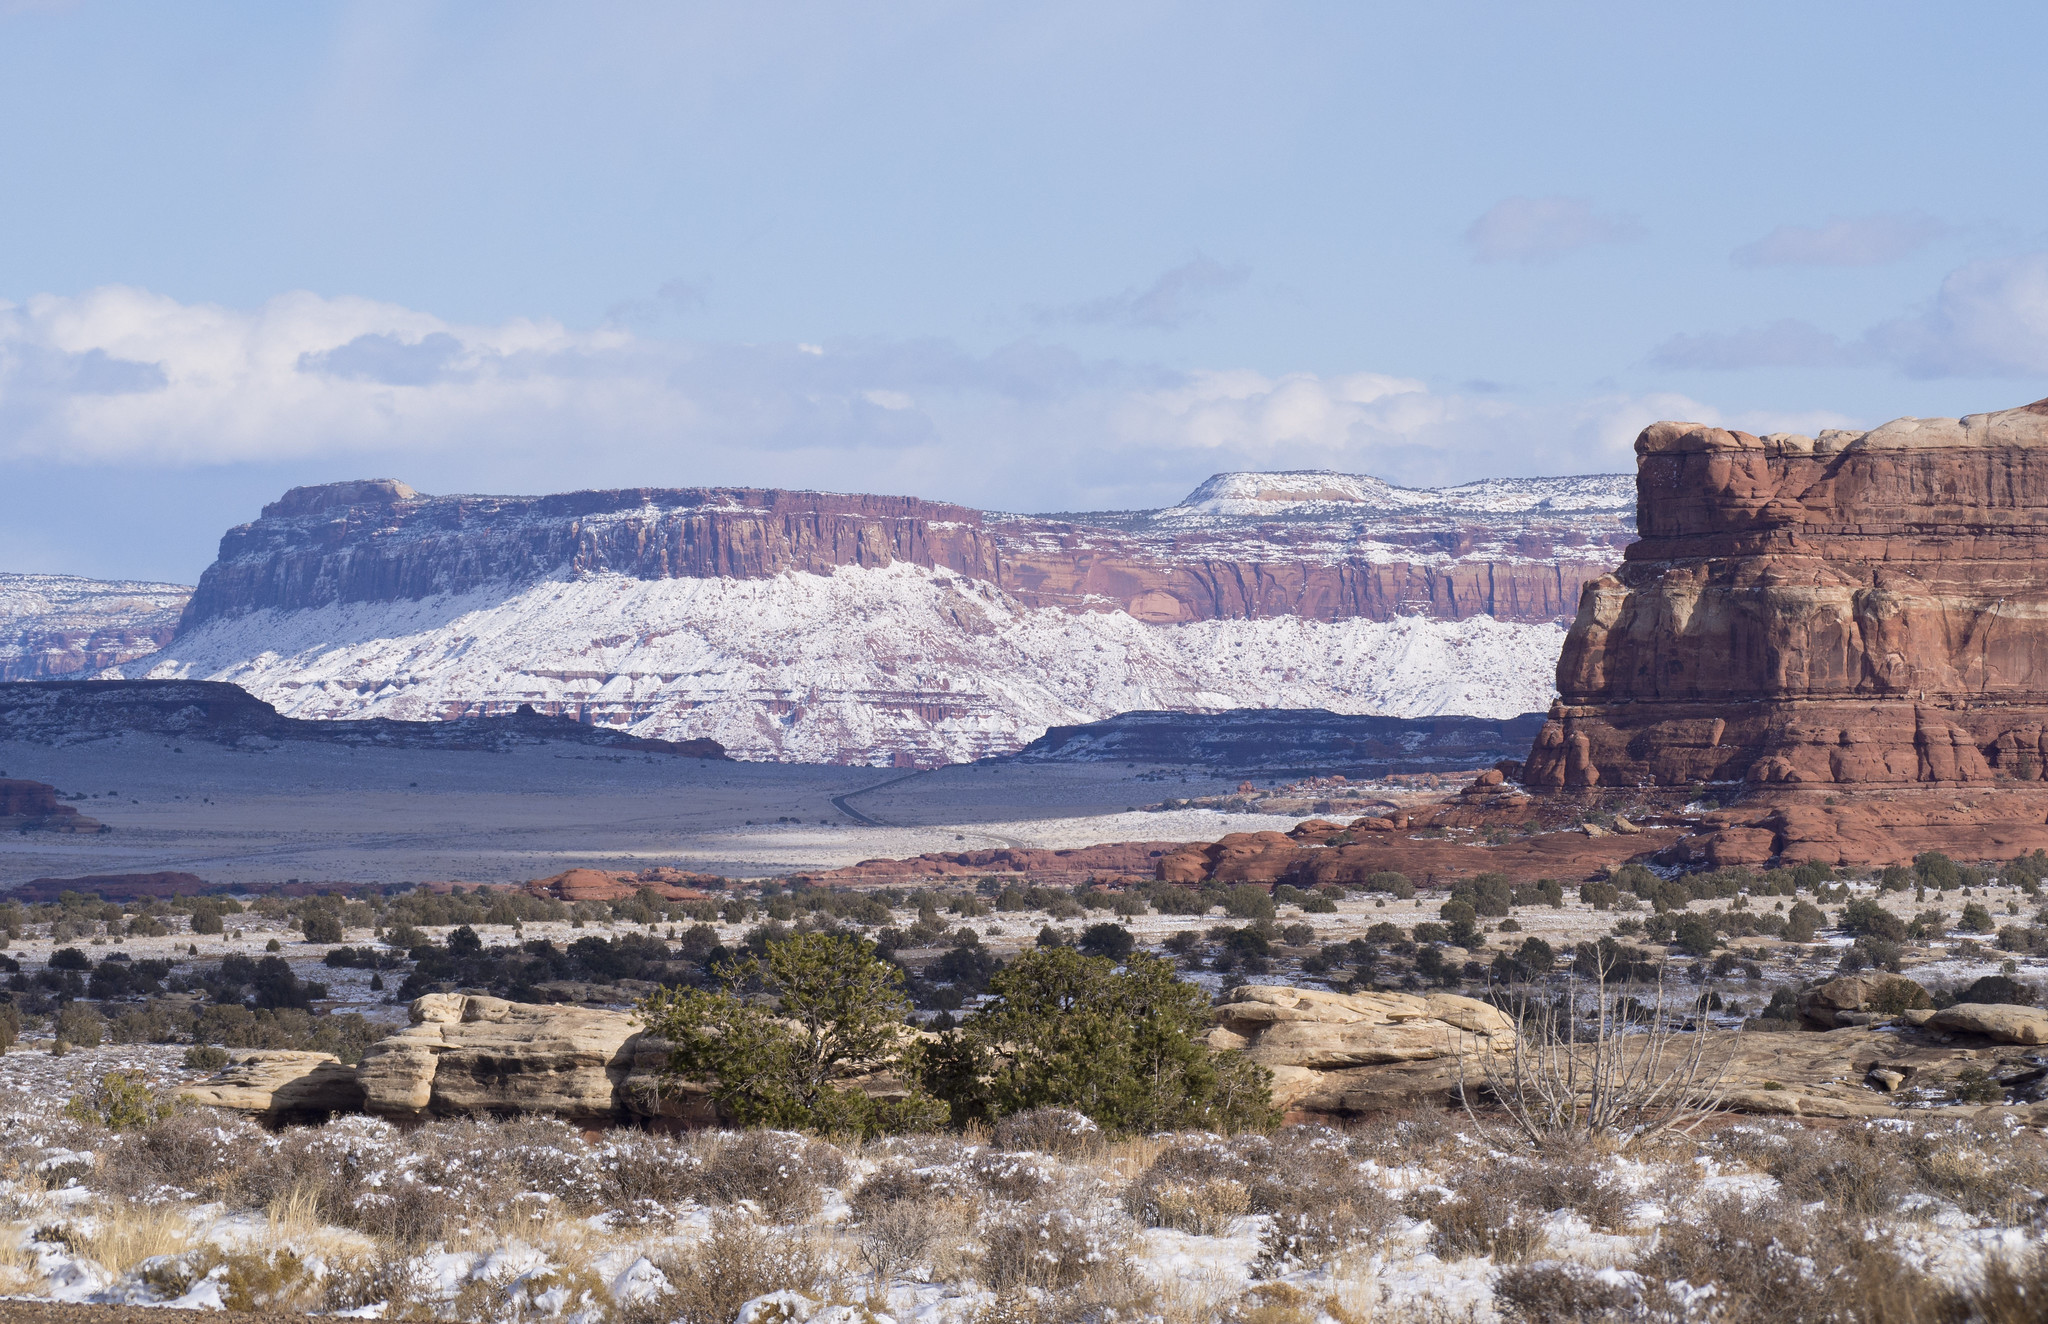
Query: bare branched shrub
740, 1260
1048, 1244
896, 1237
2012, 1292
1554, 1291
204, 1153
1988, 1169
1596, 1060
1568, 1179
1012, 1176
1320, 1198
393, 1280
1772, 1260
1483, 1218
784, 1173
1857, 1171
1060, 1131
645, 1178
1207, 1208
1190, 1184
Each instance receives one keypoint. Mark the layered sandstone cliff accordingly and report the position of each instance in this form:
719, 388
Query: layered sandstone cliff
869, 629
54, 626
1849, 609
1382, 553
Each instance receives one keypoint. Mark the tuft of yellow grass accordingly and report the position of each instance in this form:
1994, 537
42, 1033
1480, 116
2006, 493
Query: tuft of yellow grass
124, 1235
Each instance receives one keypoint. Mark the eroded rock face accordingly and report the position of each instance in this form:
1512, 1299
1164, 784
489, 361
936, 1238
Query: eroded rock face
1856, 609
471, 1054
282, 1084
1344, 1054
2006, 1024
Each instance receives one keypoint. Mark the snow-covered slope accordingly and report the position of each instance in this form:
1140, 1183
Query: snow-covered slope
64, 625
864, 664
1321, 492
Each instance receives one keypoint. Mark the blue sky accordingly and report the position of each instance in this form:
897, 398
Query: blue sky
1028, 257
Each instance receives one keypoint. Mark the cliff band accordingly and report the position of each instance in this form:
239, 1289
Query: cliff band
874, 629
1849, 609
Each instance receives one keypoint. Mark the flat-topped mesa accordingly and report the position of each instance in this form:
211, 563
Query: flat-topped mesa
377, 540
1852, 608
1514, 549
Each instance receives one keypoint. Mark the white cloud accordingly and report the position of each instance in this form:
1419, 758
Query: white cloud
1171, 301
1853, 241
1543, 229
345, 386
1787, 343
1988, 319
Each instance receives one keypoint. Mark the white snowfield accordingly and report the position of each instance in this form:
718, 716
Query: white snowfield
1314, 492
832, 668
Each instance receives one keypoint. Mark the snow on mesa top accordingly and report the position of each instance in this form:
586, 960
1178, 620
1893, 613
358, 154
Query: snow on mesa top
889, 629
1299, 492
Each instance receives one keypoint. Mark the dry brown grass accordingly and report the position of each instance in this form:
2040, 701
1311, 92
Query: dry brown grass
124, 1235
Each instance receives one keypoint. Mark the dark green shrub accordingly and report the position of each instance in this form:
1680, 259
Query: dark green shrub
322, 926
1865, 916
1125, 1047
1248, 901
79, 1025
205, 1057
1600, 896
838, 1013
1998, 988
1803, 921
1113, 941
1694, 934
1487, 894
1392, 883
1936, 870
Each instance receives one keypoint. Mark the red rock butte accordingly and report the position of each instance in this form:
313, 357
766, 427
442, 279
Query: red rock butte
1853, 609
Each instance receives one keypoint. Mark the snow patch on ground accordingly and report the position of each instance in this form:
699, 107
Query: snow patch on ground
859, 666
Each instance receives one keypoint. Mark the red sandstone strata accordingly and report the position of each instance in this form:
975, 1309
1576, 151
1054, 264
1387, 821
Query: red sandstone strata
30, 806
1852, 629
1855, 609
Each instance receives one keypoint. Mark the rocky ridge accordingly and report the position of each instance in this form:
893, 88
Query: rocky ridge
57, 626
64, 712
1241, 546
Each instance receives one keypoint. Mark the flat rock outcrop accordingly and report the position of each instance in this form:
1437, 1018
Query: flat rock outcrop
1284, 741
1515, 551
2004, 1023
282, 1084
1860, 1000
1344, 1054
471, 1054
1852, 609
1120, 859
